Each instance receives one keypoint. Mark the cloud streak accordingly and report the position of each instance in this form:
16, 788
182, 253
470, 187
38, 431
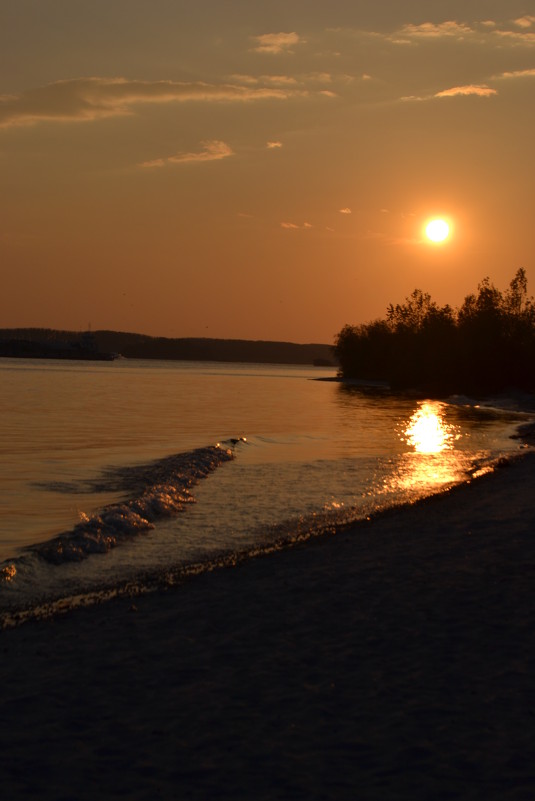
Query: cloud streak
465, 91
526, 38
518, 74
289, 226
474, 90
513, 33
431, 30
275, 43
89, 99
213, 150
486, 31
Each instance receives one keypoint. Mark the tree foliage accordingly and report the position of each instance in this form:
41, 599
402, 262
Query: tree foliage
487, 345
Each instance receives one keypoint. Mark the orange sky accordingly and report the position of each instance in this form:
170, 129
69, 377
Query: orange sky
259, 170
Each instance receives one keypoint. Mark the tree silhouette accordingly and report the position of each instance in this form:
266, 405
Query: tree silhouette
487, 345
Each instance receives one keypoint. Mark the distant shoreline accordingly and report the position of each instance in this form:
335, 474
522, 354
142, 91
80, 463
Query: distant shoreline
23, 349
51, 343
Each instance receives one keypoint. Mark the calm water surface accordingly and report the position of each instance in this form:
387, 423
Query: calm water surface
295, 457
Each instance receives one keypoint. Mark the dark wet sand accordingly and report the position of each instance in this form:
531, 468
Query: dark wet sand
396, 661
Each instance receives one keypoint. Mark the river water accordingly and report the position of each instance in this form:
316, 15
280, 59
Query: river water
124, 474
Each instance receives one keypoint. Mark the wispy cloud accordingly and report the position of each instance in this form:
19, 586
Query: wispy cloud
278, 80
519, 32
518, 74
268, 80
273, 145
87, 99
213, 150
276, 43
476, 90
345, 211
432, 30
239, 77
464, 91
519, 38
300, 84
294, 227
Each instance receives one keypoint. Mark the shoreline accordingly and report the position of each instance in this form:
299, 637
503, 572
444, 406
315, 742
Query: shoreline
391, 660
162, 580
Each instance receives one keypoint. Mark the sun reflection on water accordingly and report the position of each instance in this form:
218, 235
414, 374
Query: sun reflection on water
428, 431
431, 460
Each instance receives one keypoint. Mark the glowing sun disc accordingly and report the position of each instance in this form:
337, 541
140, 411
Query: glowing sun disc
437, 230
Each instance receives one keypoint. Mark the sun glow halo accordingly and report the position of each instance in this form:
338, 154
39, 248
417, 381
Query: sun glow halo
437, 230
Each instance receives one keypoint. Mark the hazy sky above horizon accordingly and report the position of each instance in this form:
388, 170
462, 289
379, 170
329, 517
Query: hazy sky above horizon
260, 170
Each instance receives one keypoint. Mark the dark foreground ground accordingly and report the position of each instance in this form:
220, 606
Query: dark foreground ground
396, 661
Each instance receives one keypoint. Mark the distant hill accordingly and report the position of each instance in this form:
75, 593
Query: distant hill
141, 346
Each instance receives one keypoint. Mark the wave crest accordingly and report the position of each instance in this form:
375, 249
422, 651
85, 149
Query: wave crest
156, 490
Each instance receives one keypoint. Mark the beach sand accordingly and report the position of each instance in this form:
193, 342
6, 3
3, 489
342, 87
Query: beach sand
395, 660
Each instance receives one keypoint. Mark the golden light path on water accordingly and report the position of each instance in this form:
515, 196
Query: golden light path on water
428, 431
432, 460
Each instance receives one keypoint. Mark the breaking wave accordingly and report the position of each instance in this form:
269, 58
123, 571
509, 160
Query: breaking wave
154, 491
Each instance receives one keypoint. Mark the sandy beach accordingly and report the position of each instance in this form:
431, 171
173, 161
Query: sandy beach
392, 661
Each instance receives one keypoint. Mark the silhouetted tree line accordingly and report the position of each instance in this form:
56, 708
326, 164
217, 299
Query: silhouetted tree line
486, 345
42, 342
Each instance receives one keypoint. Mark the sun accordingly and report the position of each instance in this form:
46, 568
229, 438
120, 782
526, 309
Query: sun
437, 230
